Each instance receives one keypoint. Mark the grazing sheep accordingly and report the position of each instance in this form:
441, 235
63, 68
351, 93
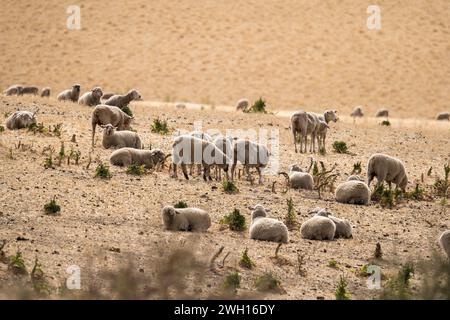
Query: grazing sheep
382, 113
91, 98
122, 101
242, 105
70, 94
353, 192
266, 229
29, 90
343, 227
250, 155
103, 115
318, 228
444, 241
107, 95
45, 92
187, 150
127, 156
13, 90
20, 119
387, 168
186, 219
443, 116
224, 144
357, 113
119, 139
355, 178
298, 179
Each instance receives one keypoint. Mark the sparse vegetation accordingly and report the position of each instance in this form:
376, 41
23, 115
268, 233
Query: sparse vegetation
102, 171
57, 128
258, 107
341, 289
232, 282
398, 287
17, 264
245, 260
268, 283
387, 198
61, 154
386, 123
442, 185
323, 179
356, 168
229, 187
235, 220
40, 285
52, 207
127, 110
180, 204
2, 128
160, 126
37, 128
136, 170
290, 219
333, 264
340, 147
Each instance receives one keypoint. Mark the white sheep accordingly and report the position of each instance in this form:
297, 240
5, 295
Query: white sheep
46, 92
443, 116
20, 119
266, 229
185, 219
444, 241
103, 115
357, 113
387, 168
224, 144
250, 155
382, 113
91, 98
242, 105
318, 228
353, 192
298, 179
119, 139
322, 129
70, 94
129, 156
122, 101
29, 90
13, 90
343, 227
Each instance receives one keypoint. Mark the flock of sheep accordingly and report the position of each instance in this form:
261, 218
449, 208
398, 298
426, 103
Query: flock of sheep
223, 154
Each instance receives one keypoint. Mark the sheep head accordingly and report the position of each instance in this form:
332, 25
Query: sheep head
134, 95
330, 115
109, 129
97, 92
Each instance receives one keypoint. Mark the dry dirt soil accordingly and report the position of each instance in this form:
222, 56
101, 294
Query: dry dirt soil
296, 54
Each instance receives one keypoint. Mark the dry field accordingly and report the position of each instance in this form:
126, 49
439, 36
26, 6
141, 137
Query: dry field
296, 54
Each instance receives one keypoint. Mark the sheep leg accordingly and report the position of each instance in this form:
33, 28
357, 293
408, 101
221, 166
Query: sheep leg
295, 140
174, 171
260, 180
233, 167
184, 169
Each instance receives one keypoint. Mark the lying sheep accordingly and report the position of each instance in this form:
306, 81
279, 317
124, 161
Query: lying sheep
103, 115
353, 192
29, 90
122, 101
186, 219
70, 94
387, 168
357, 113
355, 178
13, 90
443, 116
91, 98
45, 92
382, 113
343, 227
129, 156
119, 139
20, 119
298, 179
242, 105
180, 106
266, 229
318, 228
444, 241
250, 155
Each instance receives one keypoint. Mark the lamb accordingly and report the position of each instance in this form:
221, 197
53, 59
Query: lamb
103, 115
357, 113
343, 227
387, 168
382, 113
125, 157
29, 90
298, 179
444, 241
187, 149
91, 98
70, 94
443, 116
119, 139
353, 192
45, 92
318, 228
242, 105
266, 229
13, 90
250, 155
224, 144
186, 219
122, 101
20, 119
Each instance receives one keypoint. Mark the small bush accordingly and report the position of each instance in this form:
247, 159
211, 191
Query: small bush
341, 290
57, 130
61, 154
2, 128
258, 107
232, 282
245, 261
268, 283
52, 207
48, 162
40, 285
333, 264
17, 264
6, 114
37, 128
127, 110
180, 204
417, 194
229, 187
385, 123
398, 287
136, 170
442, 185
102, 171
340, 147
386, 197
160, 126
357, 168
235, 220
291, 219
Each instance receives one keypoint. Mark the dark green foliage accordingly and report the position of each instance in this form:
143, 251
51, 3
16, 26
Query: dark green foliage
102, 171
245, 261
180, 204
340, 147
258, 107
160, 126
136, 170
341, 290
235, 220
229, 187
52, 207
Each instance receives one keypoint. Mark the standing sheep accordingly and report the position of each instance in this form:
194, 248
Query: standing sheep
242, 105
266, 229
443, 116
103, 115
70, 94
91, 98
387, 168
122, 101
357, 113
224, 144
13, 90
318, 228
125, 157
444, 241
353, 192
298, 179
250, 155
119, 139
29, 90
186, 219
343, 227
322, 129
45, 92
20, 119
382, 113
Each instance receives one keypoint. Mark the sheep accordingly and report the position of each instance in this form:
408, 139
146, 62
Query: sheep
318, 228
355, 178
125, 157
444, 241
91, 98
29, 90
382, 113
266, 229
357, 113
224, 144
298, 179
180, 106
186, 219
103, 115
187, 149
322, 129
242, 105
13, 90
200, 135
70, 94
250, 155
343, 227
45, 92
387, 168
443, 116
122, 101
119, 139
20, 119
353, 192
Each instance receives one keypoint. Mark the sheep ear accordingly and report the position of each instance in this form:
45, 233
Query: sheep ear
251, 207
115, 128
177, 212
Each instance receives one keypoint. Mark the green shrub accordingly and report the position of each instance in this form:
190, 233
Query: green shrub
258, 107
17, 264
232, 282
245, 261
102, 171
341, 290
229, 187
340, 147
357, 168
127, 110
291, 219
385, 123
52, 207
136, 170
235, 220
333, 264
2, 128
180, 204
37, 128
268, 283
160, 126
397, 287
